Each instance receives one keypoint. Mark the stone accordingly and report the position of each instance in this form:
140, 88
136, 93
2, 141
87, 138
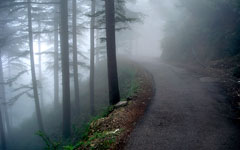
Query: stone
121, 104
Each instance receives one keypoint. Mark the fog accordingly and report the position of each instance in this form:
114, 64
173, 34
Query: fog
146, 35
183, 31
149, 33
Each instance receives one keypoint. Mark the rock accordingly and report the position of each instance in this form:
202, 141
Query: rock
121, 104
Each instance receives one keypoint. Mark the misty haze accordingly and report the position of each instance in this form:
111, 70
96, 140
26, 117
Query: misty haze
119, 74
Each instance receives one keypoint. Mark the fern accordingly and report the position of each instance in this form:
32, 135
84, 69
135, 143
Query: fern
50, 145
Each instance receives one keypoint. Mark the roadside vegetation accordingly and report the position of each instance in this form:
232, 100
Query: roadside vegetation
84, 131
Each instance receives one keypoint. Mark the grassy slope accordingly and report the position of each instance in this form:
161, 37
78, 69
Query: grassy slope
111, 130
24, 136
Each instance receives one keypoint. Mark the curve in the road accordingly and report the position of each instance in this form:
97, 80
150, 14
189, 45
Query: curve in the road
185, 114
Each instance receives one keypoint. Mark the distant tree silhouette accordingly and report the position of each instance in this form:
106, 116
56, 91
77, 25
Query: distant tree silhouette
34, 80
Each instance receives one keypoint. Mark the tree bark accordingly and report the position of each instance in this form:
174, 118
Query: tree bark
2, 132
92, 53
34, 81
3, 97
40, 65
65, 69
114, 96
97, 47
56, 57
75, 54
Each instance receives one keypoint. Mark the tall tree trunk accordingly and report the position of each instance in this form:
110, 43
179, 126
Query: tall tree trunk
75, 54
2, 132
92, 53
7, 92
3, 109
40, 65
34, 81
56, 57
97, 47
65, 70
114, 96
3, 97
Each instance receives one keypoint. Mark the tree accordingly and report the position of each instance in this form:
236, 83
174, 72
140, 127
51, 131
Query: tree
196, 38
75, 53
56, 56
14, 56
2, 132
33, 73
123, 18
92, 55
3, 96
65, 69
97, 47
40, 64
114, 96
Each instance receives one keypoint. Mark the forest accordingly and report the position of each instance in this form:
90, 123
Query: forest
209, 30
119, 74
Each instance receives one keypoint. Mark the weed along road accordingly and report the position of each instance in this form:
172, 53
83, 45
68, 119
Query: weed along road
186, 113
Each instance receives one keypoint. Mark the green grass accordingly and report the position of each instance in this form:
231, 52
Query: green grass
106, 138
129, 84
133, 88
86, 128
99, 140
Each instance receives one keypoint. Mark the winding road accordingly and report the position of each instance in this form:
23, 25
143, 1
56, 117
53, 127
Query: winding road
188, 112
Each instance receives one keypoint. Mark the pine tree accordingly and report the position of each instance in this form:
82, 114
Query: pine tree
34, 80
114, 96
65, 69
56, 56
92, 56
2, 132
75, 53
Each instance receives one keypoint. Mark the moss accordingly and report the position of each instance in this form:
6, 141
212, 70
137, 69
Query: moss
98, 140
